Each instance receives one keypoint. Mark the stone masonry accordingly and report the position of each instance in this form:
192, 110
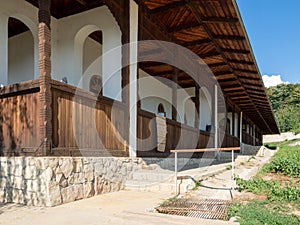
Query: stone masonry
46, 181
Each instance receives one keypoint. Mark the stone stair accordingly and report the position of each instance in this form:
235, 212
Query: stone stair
153, 178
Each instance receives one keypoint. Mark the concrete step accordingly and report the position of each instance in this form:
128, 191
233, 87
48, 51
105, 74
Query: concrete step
152, 176
168, 187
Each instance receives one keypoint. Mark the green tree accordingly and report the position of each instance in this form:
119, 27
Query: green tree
285, 101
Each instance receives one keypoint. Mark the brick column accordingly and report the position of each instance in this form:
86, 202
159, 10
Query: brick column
44, 17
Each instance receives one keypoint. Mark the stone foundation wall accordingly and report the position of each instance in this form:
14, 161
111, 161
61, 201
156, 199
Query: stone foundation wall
46, 181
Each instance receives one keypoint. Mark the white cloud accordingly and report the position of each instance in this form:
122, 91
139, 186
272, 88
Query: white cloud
273, 80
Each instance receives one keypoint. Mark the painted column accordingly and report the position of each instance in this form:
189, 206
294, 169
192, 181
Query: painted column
174, 94
45, 76
253, 133
3, 50
216, 125
133, 25
197, 106
241, 131
233, 121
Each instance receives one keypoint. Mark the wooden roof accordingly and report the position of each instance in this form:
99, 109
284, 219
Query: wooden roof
213, 29
63, 8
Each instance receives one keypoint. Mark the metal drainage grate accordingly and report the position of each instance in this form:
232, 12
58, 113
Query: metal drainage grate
198, 208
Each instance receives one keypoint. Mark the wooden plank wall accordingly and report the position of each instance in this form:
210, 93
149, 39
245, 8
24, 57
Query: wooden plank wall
19, 119
85, 122
178, 136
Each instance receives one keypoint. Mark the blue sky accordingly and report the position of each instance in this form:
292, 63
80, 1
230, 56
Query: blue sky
273, 27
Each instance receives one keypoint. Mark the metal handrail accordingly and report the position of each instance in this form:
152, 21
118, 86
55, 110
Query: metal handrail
176, 151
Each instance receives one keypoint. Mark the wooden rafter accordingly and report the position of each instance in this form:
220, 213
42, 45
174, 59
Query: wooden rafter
235, 51
173, 5
198, 42
241, 62
82, 2
229, 37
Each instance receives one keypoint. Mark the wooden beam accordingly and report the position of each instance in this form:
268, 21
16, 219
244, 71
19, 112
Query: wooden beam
241, 62
235, 51
170, 6
198, 42
219, 20
183, 27
229, 37
245, 71
209, 54
82, 2
217, 64
204, 20
220, 73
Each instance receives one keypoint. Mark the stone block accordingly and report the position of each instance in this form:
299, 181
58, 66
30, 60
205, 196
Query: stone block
32, 185
78, 178
30, 172
66, 166
99, 169
88, 172
67, 194
54, 197
77, 165
31, 199
47, 175
18, 182
78, 191
63, 182
3, 169
18, 196
88, 189
16, 170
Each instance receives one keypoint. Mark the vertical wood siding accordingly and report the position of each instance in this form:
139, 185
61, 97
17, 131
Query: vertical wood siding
86, 123
19, 120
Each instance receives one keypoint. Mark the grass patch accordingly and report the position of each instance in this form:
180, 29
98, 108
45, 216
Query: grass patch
279, 181
258, 213
197, 185
285, 161
229, 167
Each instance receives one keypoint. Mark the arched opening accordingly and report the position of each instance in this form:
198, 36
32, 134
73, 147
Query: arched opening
206, 110
20, 52
92, 62
161, 110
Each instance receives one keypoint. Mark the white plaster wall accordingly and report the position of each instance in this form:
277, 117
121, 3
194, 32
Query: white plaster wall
206, 109
20, 58
92, 64
26, 13
70, 34
152, 92
185, 106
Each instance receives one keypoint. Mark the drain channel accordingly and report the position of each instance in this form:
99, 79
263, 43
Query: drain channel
198, 208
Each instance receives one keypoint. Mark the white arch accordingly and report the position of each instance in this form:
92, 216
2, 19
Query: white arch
205, 107
33, 27
79, 40
4, 17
